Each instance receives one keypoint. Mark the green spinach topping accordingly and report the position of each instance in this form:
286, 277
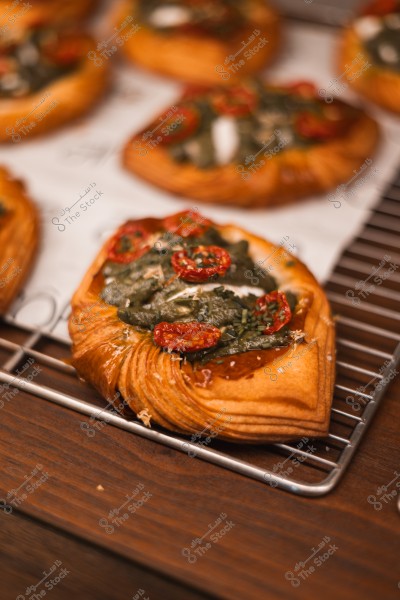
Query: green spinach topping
147, 292
26, 67
222, 18
263, 121
384, 47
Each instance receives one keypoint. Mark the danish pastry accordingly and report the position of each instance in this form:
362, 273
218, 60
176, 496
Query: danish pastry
188, 320
370, 54
19, 227
252, 144
46, 79
208, 41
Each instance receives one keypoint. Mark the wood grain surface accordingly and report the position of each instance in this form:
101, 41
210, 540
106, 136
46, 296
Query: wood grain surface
271, 532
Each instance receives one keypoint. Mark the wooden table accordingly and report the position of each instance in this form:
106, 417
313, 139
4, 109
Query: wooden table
270, 530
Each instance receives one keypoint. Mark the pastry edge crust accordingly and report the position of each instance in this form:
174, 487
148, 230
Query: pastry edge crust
50, 12
18, 237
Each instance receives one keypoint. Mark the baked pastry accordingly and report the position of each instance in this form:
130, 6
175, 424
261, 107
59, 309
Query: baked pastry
252, 144
17, 14
187, 320
19, 227
207, 41
370, 54
46, 79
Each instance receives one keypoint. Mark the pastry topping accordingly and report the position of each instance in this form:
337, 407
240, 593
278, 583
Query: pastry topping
317, 127
65, 50
381, 7
388, 54
201, 263
180, 126
222, 18
274, 310
368, 27
187, 223
38, 58
234, 102
174, 294
225, 138
169, 16
128, 243
237, 125
378, 30
239, 290
186, 337
392, 21
305, 89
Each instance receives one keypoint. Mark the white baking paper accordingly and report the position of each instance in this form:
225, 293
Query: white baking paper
60, 167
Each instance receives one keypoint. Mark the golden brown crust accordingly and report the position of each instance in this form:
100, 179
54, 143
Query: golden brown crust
195, 59
377, 84
54, 105
261, 404
19, 230
43, 11
287, 176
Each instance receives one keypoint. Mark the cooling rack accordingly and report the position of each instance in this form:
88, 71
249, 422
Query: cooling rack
364, 291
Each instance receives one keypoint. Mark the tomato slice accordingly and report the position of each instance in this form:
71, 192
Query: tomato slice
235, 101
186, 337
202, 263
128, 244
305, 89
187, 223
67, 50
273, 307
5, 65
210, 17
180, 125
313, 126
380, 8
194, 91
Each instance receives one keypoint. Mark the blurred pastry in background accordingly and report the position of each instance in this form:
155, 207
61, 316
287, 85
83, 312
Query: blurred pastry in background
17, 14
370, 53
208, 41
47, 78
252, 144
19, 230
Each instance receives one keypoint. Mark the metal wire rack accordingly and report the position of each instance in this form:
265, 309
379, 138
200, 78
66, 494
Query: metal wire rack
368, 345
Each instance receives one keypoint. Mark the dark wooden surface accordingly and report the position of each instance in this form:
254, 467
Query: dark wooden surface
272, 531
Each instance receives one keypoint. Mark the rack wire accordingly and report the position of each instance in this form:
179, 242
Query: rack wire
368, 343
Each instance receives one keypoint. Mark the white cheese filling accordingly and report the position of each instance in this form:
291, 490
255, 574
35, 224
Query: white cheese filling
368, 27
240, 290
388, 54
170, 16
225, 139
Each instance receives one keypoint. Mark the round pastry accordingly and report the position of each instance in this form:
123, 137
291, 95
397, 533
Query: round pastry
19, 227
252, 144
190, 321
202, 41
370, 54
46, 79
17, 14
